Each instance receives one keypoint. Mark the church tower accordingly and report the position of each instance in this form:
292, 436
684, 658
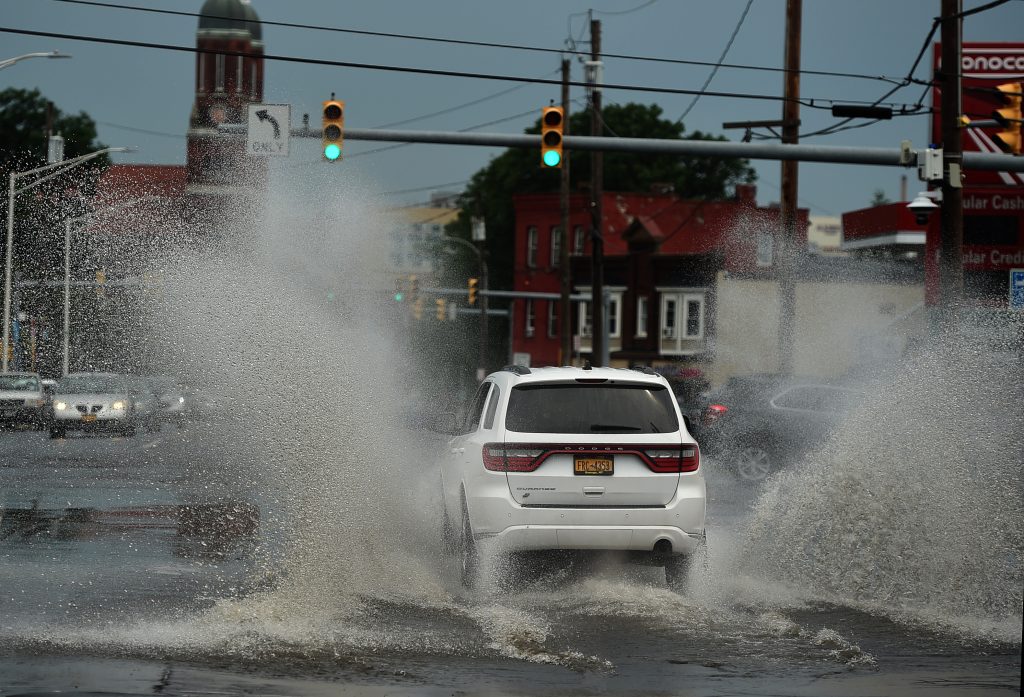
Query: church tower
225, 86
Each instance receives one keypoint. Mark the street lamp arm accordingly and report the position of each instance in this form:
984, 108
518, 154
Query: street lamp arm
40, 54
63, 164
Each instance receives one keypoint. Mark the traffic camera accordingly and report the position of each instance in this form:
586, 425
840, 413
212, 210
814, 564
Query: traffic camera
471, 293
1009, 117
333, 128
552, 125
923, 206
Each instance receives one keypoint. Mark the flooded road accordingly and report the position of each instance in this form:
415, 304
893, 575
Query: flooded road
206, 561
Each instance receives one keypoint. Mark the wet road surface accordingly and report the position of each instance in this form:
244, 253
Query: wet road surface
183, 562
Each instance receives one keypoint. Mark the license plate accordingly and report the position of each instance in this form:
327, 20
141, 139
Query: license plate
593, 465
88, 418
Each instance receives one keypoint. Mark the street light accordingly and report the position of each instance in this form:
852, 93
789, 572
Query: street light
67, 263
45, 54
12, 191
482, 359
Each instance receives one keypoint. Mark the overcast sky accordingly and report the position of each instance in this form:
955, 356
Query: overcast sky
126, 88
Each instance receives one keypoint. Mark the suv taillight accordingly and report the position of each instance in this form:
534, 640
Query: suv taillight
511, 457
684, 459
520, 457
713, 413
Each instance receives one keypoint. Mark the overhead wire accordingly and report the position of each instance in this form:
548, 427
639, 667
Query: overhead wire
484, 44
721, 58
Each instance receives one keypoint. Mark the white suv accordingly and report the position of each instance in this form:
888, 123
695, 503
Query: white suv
575, 459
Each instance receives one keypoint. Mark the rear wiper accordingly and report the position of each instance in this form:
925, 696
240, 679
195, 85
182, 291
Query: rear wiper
613, 427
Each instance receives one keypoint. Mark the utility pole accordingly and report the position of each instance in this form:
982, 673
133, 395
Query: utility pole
599, 350
951, 268
564, 305
786, 247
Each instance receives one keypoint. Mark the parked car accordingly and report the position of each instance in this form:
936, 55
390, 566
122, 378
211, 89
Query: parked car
574, 459
22, 400
755, 425
94, 402
146, 402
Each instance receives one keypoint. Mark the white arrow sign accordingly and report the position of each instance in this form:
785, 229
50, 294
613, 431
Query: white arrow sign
268, 130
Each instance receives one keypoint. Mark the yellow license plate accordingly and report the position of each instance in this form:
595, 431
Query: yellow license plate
89, 418
593, 465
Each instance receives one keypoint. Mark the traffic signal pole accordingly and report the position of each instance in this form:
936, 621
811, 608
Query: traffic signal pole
565, 306
786, 248
598, 335
951, 265
886, 157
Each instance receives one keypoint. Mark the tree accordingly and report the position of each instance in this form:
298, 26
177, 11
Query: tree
879, 198
489, 193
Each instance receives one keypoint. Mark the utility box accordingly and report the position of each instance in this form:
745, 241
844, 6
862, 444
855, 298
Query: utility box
929, 165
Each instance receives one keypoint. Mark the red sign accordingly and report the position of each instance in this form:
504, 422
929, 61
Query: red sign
983, 66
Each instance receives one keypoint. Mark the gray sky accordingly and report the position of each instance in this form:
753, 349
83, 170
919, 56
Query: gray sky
152, 90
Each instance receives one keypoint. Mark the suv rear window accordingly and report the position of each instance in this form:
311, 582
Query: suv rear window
601, 408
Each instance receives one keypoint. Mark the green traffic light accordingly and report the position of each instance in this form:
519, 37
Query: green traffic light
552, 158
399, 297
332, 152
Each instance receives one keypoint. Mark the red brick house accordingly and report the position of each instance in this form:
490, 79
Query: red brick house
662, 258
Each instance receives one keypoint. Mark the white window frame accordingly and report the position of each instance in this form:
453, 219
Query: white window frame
556, 246
531, 247
673, 323
529, 319
583, 319
641, 316
239, 64
553, 323
579, 241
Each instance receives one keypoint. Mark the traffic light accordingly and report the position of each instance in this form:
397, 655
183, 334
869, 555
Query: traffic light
414, 288
473, 283
399, 290
417, 308
333, 128
552, 124
439, 305
101, 282
1009, 117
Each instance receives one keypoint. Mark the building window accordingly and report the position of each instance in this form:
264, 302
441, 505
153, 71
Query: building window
531, 247
641, 316
531, 318
682, 321
556, 247
201, 81
578, 240
614, 315
552, 319
218, 84
584, 324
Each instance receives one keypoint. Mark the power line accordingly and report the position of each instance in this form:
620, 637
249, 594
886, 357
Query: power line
481, 44
721, 58
814, 103
423, 188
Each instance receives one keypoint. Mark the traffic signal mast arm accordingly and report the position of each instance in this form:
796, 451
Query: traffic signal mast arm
893, 157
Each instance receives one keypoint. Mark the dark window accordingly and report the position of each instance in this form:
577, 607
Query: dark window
492, 407
991, 230
476, 408
596, 408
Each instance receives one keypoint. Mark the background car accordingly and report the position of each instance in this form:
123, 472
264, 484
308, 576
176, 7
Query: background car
177, 406
146, 401
756, 424
94, 402
22, 400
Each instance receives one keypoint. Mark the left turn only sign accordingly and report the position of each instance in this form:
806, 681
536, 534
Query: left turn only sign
268, 130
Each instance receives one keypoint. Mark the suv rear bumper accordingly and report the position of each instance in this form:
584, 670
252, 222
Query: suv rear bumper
494, 515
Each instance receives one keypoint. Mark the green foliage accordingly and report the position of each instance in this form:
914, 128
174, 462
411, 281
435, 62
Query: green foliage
23, 131
489, 193
879, 198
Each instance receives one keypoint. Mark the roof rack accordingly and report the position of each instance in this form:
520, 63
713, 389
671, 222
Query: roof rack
517, 369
